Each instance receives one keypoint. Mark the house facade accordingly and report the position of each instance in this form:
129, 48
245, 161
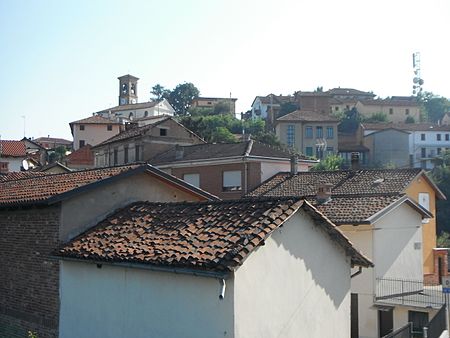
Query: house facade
426, 142
310, 133
141, 143
39, 212
51, 143
396, 108
20, 155
93, 130
227, 170
211, 102
224, 282
388, 215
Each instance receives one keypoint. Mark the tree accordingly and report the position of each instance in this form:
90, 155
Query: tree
441, 176
222, 134
350, 122
286, 108
159, 92
435, 106
443, 240
410, 119
331, 162
377, 117
182, 96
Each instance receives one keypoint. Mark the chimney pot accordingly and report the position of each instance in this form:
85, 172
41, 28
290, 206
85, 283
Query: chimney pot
324, 192
355, 161
294, 164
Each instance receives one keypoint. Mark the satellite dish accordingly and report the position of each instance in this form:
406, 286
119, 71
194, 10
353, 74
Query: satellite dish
25, 165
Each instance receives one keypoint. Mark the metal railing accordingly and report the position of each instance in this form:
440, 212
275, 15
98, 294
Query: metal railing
408, 292
403, 332
436, 325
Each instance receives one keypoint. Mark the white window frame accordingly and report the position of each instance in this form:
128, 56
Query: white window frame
232, 180
192, 179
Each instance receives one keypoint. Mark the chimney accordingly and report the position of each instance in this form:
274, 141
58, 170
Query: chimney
323, 192
179, 152
355, 161
294, 164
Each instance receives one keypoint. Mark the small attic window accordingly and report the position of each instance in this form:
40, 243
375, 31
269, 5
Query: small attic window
162, 132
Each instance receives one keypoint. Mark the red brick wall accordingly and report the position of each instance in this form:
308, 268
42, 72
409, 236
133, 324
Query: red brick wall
211, 177
29, 279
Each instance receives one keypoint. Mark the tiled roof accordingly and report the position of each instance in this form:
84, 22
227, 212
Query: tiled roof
17, 175
406, 126
95, 119
348, 91
54, 187
344, 182
307, 116
210, 151
133, 106
390, 102
354, 209
205, 236
276, 99
82, 156
355, 195
12, 148
52, 140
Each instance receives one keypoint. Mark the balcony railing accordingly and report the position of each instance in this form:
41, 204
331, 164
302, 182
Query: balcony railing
409, 293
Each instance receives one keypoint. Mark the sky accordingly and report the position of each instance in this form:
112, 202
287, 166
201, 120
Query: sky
59, 60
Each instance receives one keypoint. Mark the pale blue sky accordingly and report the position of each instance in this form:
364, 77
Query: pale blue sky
60, 60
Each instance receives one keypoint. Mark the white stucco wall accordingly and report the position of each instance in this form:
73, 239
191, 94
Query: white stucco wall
296, 285
116, 302
389, 242
14, 163
87, 209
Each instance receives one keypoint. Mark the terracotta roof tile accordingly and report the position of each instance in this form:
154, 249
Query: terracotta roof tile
17, 175
95, 119
38, 188
307, 116
12, 148
211, 236
82, 156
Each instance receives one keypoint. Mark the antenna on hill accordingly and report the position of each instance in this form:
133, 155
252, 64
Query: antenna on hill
417, 80
23, 116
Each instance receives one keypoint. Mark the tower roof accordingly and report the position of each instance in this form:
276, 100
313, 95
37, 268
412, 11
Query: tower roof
128, 76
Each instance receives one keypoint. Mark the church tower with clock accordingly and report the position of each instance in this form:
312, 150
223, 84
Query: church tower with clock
127, 89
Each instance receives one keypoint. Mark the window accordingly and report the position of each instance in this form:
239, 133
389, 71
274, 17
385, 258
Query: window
81, 144
319, 132
309, 151
406, 111
309, 132
330, 151
439, 150
447, 138
125, 154
391, 111
330, 132
418, 320
319, 152
336, 108
422, 137
423, 152
109, 127
162, 132
81, 126
146, 113
137, 153
290, 135
193, 179
232, 180
116, 156
438, 137
4, 167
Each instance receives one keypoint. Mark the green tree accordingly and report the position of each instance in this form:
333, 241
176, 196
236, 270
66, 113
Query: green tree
376, 117
182, 96
332, 162
435, 106
441, 175
410, 119
350, 122
159, 92
286, 108
443, 240
223, 135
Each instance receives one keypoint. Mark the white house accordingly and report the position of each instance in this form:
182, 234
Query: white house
249, 268
427, 141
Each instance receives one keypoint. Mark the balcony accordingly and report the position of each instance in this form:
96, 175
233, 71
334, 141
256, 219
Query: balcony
393, 291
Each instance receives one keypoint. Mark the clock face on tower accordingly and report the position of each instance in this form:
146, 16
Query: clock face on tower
123, 100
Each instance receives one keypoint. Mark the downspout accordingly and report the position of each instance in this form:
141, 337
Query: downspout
357, 272
248, 151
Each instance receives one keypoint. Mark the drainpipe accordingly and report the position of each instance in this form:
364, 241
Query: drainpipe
357, 272
223, 286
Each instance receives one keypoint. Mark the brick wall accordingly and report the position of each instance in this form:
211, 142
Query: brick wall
211, 177
29, 279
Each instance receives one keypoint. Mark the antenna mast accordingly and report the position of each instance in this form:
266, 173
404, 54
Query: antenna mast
417, 80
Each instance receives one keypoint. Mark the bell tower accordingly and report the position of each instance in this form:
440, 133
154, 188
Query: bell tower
127, 89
